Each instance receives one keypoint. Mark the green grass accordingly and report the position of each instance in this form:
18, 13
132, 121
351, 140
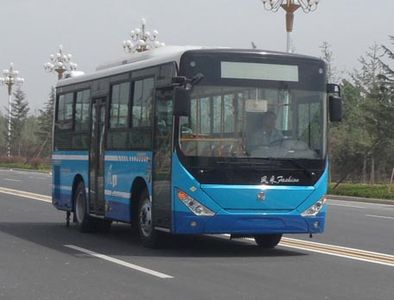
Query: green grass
378, 191
19, 165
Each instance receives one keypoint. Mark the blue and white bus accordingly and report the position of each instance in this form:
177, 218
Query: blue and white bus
174, 140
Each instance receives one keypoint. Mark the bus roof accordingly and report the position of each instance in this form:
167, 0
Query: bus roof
158, 56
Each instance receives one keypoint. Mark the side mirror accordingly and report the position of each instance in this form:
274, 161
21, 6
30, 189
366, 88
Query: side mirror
333, 88
181, 101
335, 108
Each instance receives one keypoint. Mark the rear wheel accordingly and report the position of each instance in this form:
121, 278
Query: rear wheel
267, 241
149, 236
85, 222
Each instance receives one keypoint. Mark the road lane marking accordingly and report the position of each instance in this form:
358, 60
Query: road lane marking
120, 262
351, 253
9, 179
339, 251
381, 217
29, 195
362, 205
19, 171
347, 205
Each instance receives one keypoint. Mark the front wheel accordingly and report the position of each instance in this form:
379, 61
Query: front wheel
149, 236
267, 241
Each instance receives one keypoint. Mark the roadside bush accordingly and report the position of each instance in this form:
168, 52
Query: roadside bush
379, 191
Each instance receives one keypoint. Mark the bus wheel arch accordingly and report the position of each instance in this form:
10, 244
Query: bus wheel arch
137, 188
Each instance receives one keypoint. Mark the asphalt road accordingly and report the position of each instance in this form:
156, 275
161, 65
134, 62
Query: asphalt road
42, 259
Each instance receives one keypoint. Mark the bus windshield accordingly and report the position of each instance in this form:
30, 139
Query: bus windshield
254, 122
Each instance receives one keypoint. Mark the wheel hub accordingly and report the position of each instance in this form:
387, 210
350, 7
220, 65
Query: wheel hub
80, 209
146, 219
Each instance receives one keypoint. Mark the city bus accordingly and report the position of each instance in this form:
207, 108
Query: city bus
172, 141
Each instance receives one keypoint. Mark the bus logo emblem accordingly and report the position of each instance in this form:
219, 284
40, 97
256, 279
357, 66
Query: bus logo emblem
261, 196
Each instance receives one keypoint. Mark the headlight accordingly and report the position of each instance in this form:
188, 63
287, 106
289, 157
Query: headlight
196, 207
315, 208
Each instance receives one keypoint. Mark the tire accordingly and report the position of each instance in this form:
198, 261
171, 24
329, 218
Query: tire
267, 241
85, 222
149, 236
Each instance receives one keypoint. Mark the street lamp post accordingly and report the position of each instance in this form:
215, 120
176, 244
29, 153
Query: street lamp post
142, 40
10, 79
290, 6
60, 63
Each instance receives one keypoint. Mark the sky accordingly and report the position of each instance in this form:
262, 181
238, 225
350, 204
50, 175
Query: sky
93, 31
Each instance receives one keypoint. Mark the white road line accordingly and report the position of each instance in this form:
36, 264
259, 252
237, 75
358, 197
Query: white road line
9, 179
352, 206
19, 171
381, 217
362, 205
337, 254
333, 250
120, 262
34, 196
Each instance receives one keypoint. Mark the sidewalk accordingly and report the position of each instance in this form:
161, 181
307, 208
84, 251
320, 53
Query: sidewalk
359, 199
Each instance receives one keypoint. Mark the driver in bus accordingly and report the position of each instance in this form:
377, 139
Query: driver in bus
267, 134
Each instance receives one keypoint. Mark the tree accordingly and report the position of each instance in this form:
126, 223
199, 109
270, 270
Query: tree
328, 57
377, 108
3, 135
19, 110
347, 138
388, 75
387, 88
45, 123
361, 143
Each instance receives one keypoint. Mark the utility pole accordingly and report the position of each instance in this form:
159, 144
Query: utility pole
290, 6
10, 79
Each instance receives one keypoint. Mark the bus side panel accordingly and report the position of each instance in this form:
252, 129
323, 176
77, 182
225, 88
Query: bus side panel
65, 166
121, 169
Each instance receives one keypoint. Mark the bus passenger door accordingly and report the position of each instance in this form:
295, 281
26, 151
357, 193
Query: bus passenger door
96, 157
162, 143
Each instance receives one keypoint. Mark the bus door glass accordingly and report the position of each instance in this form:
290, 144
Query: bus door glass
162, 158
96, 157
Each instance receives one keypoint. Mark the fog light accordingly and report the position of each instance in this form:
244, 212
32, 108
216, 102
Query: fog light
316, 225
193, 223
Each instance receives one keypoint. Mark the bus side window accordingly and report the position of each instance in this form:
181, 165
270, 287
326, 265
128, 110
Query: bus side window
141, 118
64, 121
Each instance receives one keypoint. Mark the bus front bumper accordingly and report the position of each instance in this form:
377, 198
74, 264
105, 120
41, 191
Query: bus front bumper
248, 224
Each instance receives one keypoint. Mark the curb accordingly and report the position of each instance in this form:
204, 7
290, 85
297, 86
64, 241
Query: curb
360, 199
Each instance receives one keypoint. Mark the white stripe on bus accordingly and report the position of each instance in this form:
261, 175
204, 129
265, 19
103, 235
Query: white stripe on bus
126, 158
117, 194
69, 157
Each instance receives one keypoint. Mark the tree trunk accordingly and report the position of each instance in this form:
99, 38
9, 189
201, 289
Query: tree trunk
372, 177
391, 180
364, 172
